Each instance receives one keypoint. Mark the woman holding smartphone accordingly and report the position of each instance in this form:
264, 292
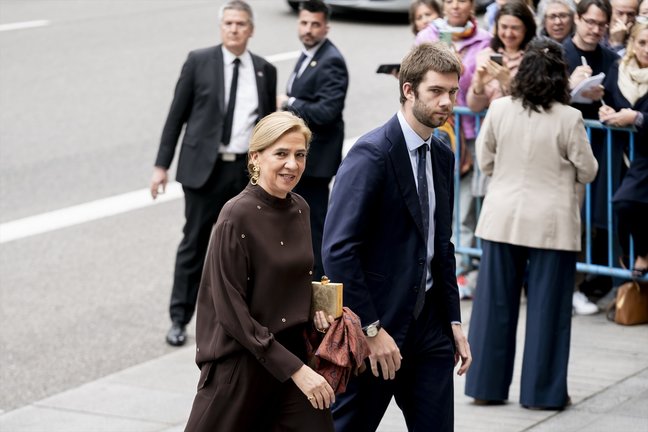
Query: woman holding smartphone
497, 65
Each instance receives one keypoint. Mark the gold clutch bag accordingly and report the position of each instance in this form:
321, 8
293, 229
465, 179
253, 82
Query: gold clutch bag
327, 297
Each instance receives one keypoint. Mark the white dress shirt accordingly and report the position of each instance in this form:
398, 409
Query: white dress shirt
246, 109
413, 142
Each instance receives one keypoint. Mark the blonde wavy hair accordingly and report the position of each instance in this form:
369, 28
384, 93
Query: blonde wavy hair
271, 128
634, 34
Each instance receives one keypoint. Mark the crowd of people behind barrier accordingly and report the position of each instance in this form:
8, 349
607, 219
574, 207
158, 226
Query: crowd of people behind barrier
394, 191
596, 37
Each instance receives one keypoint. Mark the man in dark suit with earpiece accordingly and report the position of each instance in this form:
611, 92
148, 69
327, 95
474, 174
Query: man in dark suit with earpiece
222, 92
316, 92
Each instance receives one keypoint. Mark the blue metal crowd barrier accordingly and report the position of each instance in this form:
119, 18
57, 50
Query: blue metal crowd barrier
612, 268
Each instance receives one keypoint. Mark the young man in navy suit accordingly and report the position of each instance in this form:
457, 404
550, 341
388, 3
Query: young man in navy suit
222, 92
316, 92
387, 238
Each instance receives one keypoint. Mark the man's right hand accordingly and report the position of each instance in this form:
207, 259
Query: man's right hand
618, 32
159, 178
385, 352
579, 74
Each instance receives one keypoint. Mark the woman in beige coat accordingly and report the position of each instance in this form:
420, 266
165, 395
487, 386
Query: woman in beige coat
535, 148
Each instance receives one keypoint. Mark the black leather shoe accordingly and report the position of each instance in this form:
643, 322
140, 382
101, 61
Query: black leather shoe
177, 335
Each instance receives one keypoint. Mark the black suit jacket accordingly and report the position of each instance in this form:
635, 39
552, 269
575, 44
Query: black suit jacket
319, 95
199, 102
373, 235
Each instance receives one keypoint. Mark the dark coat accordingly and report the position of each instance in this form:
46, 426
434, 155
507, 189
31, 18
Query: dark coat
319, 94
199, 102
373, 236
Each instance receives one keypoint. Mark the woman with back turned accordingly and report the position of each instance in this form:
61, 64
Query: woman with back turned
535, 148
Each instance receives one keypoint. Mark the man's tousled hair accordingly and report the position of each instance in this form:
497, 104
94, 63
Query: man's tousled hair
436, 57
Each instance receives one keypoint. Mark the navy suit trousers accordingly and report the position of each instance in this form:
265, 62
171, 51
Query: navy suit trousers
423, 387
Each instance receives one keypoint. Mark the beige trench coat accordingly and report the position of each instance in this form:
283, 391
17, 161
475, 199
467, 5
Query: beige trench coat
538, 162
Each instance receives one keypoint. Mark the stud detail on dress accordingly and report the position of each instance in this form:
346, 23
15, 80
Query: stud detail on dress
242, 235
281, 243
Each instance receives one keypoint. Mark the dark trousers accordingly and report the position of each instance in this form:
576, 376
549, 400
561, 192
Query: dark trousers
632, 222
494, 319
423, 387
315, 191
202, 207
237, 394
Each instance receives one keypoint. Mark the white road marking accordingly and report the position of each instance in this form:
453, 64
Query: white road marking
78, 214
23, 25
93, 210
274, 58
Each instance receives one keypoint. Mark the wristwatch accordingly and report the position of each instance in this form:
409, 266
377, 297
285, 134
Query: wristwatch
372, 329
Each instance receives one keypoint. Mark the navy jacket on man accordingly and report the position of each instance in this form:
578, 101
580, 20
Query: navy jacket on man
377, 248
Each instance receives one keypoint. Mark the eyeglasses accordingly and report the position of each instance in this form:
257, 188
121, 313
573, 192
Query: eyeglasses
558, 17
593, 23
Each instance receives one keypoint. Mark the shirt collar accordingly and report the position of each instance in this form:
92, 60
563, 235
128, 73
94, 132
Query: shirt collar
412, 140
310, 52
228, 57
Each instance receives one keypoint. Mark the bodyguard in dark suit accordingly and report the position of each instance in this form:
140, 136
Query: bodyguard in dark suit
316, 92
221, 93
387, 238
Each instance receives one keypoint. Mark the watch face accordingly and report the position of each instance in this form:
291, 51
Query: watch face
372, 331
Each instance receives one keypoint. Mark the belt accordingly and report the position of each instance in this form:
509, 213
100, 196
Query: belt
232, 157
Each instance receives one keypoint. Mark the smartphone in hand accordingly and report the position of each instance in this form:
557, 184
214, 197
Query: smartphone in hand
388, 69
497, 58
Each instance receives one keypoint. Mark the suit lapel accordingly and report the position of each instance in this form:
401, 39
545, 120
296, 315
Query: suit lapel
402, 166
220, 77
312, 64
259, 75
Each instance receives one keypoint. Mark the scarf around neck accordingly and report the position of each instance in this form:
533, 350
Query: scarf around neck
465, 32
633, 81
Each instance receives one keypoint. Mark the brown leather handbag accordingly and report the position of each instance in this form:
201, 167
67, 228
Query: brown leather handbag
631, 304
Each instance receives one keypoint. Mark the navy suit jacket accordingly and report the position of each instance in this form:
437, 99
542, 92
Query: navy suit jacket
199, 102
373, 236
319, 95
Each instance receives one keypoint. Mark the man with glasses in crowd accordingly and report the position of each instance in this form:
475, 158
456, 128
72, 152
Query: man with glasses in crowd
586, 56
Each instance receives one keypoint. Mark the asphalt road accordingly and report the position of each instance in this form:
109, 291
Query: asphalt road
82, 104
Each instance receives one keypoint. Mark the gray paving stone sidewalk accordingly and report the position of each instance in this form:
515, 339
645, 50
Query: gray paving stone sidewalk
608, 384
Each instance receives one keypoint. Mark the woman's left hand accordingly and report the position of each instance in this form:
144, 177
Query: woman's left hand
315, 388
321, 322
624, 117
